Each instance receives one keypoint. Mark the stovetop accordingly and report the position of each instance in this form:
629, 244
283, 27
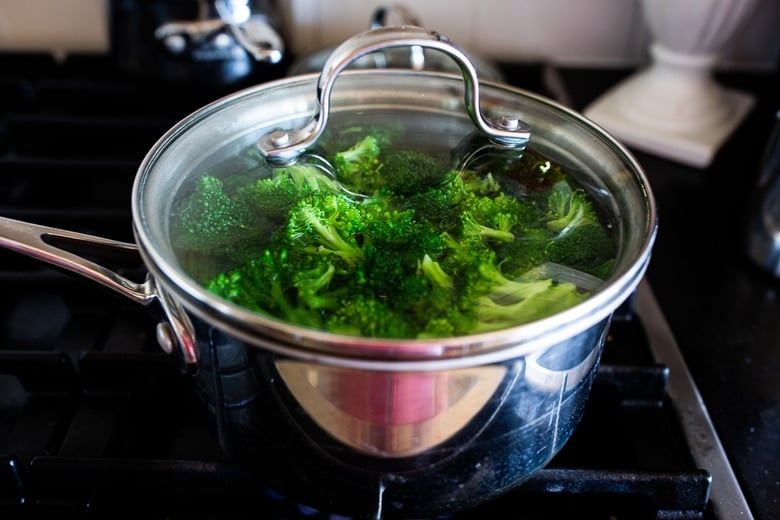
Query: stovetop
96, 422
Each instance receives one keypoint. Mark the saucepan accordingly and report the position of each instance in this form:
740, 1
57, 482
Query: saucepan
357, 425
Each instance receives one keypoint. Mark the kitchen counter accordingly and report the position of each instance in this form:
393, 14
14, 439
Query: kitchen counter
722, 309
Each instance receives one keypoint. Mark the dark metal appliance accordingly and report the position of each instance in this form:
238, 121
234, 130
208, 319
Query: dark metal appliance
96, 421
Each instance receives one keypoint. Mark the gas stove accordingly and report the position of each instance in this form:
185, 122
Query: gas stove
97, 422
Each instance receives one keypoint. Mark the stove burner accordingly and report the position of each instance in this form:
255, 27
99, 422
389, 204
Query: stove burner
95, 420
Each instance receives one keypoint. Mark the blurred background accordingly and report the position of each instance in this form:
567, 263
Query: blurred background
582, 33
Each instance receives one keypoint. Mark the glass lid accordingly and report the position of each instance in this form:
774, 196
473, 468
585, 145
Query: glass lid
399, 222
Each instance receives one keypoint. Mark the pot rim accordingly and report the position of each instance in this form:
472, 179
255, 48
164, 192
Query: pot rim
380, 353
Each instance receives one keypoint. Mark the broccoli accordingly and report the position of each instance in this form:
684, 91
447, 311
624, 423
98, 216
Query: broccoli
427, 253
260, 285
210, 221
325, 224
368, 316
580, 239
357, 166
439, 206
544, 299
407, 172
273, 196
433, 271
471, 182
473, 228
308, 176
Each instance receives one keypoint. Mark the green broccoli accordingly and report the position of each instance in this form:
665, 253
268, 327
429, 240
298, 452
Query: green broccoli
580, 240
357, 167
427, 253
440, 206
209, 220
473, 228
308, 176
407, 172
273, 196
433, 271
368, 316
470, 181
325, 224
260, 285
544, 299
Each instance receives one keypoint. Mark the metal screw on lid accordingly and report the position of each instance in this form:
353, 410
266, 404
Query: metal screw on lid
508, 122
279, 138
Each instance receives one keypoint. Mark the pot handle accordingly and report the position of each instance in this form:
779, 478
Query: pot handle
284, 146
62, 248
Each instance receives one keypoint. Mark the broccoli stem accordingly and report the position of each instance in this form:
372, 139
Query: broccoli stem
473, 228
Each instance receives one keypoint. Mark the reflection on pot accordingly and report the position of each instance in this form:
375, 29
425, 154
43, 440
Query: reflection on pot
390, 414
364, 438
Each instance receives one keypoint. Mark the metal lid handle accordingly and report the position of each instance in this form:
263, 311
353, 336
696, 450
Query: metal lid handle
284, 146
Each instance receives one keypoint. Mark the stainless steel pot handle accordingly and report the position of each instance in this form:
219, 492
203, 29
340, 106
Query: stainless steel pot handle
59, 247
284, 146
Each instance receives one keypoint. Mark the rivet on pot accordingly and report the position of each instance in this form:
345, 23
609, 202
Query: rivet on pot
280, 138
508, 122
165, 337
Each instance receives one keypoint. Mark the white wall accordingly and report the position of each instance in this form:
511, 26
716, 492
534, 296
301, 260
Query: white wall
580, 32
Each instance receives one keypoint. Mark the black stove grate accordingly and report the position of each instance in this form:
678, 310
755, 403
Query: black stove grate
95, 421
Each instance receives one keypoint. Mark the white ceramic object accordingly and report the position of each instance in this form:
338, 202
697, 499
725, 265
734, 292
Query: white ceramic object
674, 107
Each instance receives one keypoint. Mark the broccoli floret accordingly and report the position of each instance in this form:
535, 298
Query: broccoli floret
527, 250
441, 206
484, 185
504, 290
544, 299
369, 316
325, 224
341, 137
308, 176
312, 284
568, 208
580, 240
406, 172
209, 220
273, 196
357, 167
473, 228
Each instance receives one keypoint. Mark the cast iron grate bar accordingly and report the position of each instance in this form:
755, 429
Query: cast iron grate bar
636, 385
678, 495
12, 489
184, 485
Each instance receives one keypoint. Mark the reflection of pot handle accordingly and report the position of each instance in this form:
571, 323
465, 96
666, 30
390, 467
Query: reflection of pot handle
396, 15
284, 146
61, 248
385, 16
253, 33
